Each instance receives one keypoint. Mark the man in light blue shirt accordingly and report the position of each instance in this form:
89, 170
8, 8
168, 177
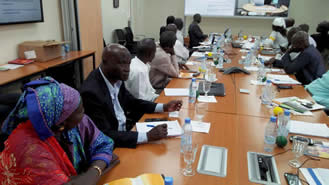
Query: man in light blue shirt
108, 102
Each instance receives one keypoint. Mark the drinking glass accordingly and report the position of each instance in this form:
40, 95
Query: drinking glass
200, 110
298, 148
189, 157
206, 87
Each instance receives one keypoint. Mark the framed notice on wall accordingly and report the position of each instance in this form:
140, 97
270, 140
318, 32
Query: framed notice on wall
115, 3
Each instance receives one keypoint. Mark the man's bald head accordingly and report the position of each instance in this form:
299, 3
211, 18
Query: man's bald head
300, 40
146, 50
171, 27
116, 62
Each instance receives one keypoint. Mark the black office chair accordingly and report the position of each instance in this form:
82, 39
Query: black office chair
131, 45
120, 36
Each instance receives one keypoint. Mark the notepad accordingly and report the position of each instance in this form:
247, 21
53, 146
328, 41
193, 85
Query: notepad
315, 176
176, 92
281, 79
202, 127
309, 129
174, 128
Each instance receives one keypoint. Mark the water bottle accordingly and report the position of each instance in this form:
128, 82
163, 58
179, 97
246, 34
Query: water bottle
267, 93
283, 123
192, 91
247, 61
220, 60
261, 71
270, 135
63, 52
169, 181
186, 138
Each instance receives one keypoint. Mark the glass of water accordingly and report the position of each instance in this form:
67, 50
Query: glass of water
200, 110
206, 87
189, 157
298, 148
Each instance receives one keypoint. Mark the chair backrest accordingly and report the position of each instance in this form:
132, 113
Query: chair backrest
129, 35
120, 36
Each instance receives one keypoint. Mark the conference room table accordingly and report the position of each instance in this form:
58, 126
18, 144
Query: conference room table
237, 123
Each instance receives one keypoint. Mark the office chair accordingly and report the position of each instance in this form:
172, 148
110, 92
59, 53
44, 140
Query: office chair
120, 36
131, 45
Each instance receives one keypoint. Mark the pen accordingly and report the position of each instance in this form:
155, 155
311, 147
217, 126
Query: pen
150, 125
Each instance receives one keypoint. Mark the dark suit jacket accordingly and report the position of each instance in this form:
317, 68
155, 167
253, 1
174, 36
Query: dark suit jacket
98, 106
196, 35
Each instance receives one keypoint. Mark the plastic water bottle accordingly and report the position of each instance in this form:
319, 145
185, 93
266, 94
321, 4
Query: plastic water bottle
270, 135
186, 138
283, 123
63, 52
267, 93
247, 61
220, 60
261, 71
192, 91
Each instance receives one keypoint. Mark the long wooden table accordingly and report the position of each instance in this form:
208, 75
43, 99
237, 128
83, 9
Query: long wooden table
37, 68
237, 123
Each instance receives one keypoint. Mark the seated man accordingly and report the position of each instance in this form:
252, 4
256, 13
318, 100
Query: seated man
170, 20
179, 34
306, 28
107, 101
279, 34
195, 33
164, 64
138, 83
182, 54
308, 65
319, 90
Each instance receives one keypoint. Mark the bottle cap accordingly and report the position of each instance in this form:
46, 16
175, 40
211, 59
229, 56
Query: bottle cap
286, 112
169, 180
187, 120
273, 119
268, 81
193, 80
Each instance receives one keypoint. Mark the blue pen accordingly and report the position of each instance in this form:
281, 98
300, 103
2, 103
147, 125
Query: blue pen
150, 125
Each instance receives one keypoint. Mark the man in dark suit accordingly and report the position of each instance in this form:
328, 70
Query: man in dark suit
307, 66
107, 101
195, 33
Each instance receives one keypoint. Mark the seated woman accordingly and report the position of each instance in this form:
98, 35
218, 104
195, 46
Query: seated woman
51, 140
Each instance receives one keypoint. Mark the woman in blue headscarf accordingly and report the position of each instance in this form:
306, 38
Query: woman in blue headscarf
51, 140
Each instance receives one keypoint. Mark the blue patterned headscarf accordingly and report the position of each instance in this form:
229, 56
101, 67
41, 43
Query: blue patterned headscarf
42, 102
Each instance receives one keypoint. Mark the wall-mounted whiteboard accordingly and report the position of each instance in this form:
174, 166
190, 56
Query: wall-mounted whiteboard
211, 8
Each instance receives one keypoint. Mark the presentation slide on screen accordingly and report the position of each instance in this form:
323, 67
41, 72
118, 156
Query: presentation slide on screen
219, 8
19, 11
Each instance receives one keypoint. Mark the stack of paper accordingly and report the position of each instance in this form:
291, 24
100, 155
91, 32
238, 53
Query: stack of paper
316, 176
309, 129
10, 66
176, 92
248, 45
198, 54
198, 126
174, 128
281, 79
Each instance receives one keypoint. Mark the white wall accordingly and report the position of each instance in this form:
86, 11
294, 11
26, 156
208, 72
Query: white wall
154, 13
50, 29
114, 18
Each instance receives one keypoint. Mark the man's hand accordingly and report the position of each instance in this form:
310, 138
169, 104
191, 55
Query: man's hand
172, 106
157, 132
183, 67
269, 62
